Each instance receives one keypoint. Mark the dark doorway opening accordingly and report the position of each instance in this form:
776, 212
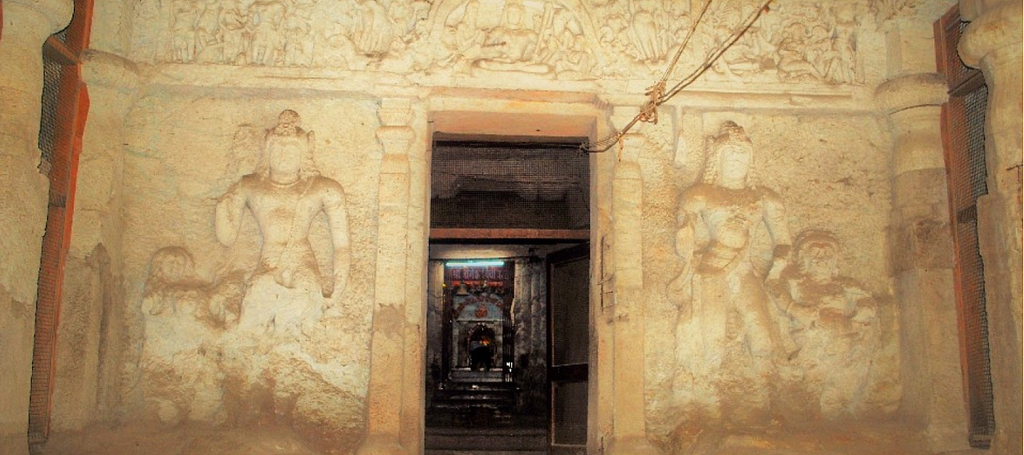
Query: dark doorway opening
499, 207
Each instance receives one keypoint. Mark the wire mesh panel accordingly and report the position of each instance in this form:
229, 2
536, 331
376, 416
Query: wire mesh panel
48, 118
63, 105
967, 180
964, 130
502, 185
957, 74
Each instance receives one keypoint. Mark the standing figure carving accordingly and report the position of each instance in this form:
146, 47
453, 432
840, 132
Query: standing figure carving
721, 287
645, 31
266, 18
374, 30
184, 15
284, 194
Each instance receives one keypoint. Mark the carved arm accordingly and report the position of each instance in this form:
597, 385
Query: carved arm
337, 219
228, 213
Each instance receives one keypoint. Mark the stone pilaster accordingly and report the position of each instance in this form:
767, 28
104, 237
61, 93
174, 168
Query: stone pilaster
921, 259
24, 193
629, 429
413, 394
992, 42
387, 346
112, 83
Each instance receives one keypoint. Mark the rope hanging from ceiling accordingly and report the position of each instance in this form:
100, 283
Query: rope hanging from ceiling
657, 93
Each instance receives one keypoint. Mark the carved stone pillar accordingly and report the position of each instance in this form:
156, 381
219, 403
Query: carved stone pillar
629, 429
387, 346
992, 42
413, 395
23, 190
112, 83
922, 260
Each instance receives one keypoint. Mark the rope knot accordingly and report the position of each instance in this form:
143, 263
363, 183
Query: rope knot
649, 111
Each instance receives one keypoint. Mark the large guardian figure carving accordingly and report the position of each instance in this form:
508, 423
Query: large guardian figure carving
728, 332
284, 194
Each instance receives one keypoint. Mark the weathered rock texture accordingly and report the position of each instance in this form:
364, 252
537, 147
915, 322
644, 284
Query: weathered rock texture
805, 306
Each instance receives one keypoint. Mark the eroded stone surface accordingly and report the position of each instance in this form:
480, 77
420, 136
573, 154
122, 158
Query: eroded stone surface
248, 345
208, 343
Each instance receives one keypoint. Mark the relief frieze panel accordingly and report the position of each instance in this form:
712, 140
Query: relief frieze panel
794, 42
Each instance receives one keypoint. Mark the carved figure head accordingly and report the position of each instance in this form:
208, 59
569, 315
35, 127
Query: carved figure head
817, 255
288, 150
729, 157
514, 15
172, 264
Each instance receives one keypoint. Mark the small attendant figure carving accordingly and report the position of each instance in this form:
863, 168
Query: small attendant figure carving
834, 325
284, 194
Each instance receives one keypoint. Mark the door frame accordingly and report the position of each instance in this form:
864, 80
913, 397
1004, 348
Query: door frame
533, 115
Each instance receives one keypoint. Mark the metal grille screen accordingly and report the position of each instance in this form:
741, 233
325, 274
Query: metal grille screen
955, 71
500, 185
967, 175
60, 127
48, 118
54, 129
964, 128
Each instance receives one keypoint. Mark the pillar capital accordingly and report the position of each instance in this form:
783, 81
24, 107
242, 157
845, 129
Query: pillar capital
395, 111
996, 28
103, 69
909, 91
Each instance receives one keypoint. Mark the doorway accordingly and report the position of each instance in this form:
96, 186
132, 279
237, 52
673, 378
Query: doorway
499, 207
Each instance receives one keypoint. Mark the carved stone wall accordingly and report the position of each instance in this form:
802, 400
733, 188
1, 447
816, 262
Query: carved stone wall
214, 75
797, 42
831, 176
192, 323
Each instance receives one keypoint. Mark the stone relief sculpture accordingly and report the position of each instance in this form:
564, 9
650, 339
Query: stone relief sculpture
185, 317
833, 324
720, 291
184, 15
645, 31
173, 288
546, 38
799, 42
284, 194
255, 342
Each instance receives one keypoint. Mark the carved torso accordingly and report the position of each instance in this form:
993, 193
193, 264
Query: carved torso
727, 217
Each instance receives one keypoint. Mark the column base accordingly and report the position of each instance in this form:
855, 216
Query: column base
381, 445
631, 445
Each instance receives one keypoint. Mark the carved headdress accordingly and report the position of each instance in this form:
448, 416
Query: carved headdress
816, 244
728, 134
289, 130
816, 238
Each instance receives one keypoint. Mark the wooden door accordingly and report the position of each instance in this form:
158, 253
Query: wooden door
569, 347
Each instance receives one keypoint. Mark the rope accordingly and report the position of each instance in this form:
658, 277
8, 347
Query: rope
656, 94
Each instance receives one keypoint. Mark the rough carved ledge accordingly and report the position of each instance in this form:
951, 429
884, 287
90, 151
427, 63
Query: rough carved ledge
914, 90
381, 84
110, 70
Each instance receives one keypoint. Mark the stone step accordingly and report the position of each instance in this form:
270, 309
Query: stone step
484, 452
478, 440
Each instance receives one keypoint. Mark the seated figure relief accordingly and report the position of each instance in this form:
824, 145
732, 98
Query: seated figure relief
284, 194
174, 289
185, 319
832, 324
